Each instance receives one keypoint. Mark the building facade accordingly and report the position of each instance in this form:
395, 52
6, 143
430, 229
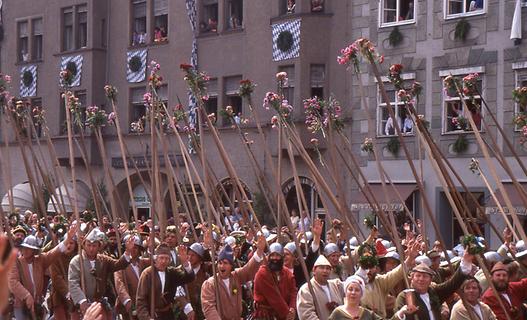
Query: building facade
238, 40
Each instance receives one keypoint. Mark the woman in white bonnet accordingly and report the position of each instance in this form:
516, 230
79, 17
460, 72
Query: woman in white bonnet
354, 288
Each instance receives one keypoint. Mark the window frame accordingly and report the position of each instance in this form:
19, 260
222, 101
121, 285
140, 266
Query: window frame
289, 86
380, 127
445, 98
520, 75
76, 27
228, 95
34, 37
229, 15
383, 24
204, 16
133, 105
133, 19
154, 20
448, 16
20, 55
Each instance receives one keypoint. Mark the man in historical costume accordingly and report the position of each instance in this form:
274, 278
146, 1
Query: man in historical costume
172, 241
378, 286
202, 271
228, 287
512, 294
27, 280
166, 280
111, 249
96, 271
471, 292
328, 294
19, 233
60, 300
127, 280
274, 288
428, 296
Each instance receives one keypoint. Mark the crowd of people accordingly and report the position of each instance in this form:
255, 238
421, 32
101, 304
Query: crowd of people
89, 269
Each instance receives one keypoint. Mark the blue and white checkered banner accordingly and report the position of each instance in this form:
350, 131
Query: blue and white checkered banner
139, 75
78, 63
28, 81
286, 40
192, 104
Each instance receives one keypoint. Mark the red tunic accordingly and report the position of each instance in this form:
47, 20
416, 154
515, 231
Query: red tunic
273, 297
517, 292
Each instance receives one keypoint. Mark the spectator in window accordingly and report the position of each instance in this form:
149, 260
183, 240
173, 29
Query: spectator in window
212, 25
164, 33
25, 56
408, 125
317, 5
142, 37
234, 22
410, 12
389, 129
291, 6
157, 35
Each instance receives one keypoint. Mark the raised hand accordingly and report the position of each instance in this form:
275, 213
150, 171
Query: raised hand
260, 245
182, 254
318, 226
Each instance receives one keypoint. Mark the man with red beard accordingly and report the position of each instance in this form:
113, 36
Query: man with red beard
274, 288
512, 294
227, 305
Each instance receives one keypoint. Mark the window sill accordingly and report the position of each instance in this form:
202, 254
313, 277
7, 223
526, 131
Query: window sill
291, 16
458, 132
465, 15
233, 31
74, 51
208, 34
394, 136
24, 63
396, 24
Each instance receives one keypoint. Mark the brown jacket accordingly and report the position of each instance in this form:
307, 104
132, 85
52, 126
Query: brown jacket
174, 277
230, 299
19, 280
59, 279
126, 282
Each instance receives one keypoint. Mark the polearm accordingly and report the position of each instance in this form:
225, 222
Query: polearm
446, 187
112, 97
493, 171
73, 108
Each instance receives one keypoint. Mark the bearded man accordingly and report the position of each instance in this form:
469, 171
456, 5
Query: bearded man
274, 288
512, 294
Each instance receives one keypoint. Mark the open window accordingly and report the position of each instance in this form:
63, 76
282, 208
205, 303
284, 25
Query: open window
209, 16
456, 8
234, 14
385, 122
397, 12
23, 41
456, 113
138, 22
160, 21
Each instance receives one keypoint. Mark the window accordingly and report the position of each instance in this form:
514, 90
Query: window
232, 84
289, 87
137, 106
235, 14
23, 41
385, 123
209, 16
397, 11
521, 81
138, 22
317, 79
67, 29
37, 39
317, 5
160, 20
455, 116
476, 223
82, 26
463, 7
74, 27
211, 105
287, 6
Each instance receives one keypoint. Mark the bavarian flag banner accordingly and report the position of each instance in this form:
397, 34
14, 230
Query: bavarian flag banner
28, 81
286, 40
136, 65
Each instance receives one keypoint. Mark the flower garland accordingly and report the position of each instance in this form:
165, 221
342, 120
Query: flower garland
96, 117
111, 92
367, 256
196, 80
473, 244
